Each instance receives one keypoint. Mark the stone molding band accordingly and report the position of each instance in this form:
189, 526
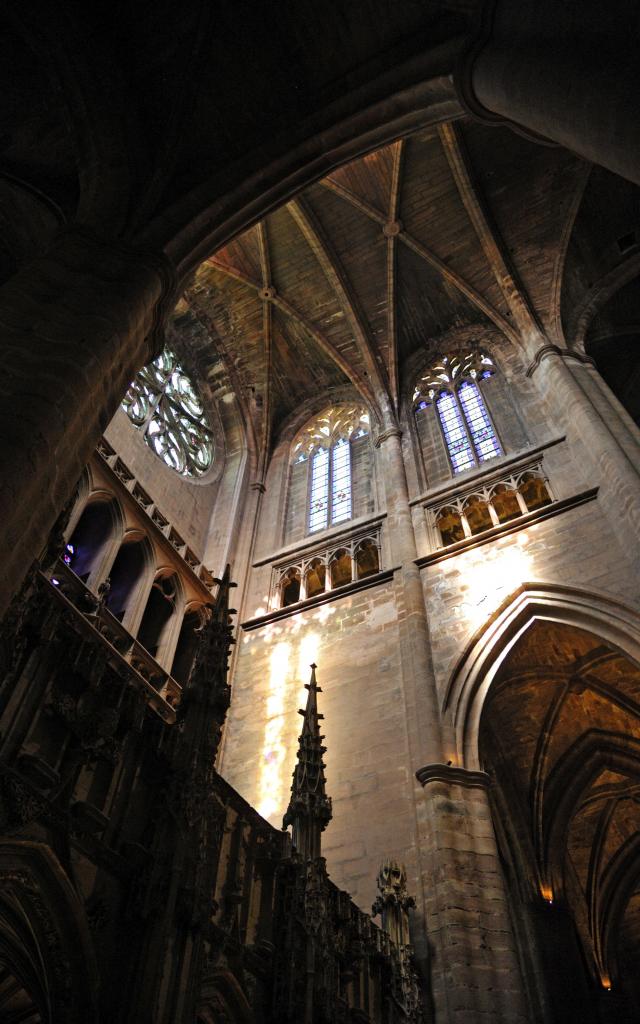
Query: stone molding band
386, 434
453, 775
555, 350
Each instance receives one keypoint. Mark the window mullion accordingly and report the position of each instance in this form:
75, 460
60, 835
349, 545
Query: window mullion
478, 421
330, 488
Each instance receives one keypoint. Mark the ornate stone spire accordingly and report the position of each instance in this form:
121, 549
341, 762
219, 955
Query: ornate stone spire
309, 810
206, 697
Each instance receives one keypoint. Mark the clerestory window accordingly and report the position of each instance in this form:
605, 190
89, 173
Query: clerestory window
326, 444
163, 403
452, 388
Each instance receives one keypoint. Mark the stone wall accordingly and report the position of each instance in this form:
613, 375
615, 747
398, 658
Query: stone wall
354, 640
186, 503
572, 549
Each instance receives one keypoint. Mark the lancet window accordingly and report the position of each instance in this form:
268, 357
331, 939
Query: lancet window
452, 387
327, 446
163, 403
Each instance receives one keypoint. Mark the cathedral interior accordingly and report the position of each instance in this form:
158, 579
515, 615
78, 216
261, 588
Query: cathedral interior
320, 502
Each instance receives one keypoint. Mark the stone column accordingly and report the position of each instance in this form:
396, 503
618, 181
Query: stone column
571, 391
610, 408
423, 713
475, 972
418, 686
566, 72
75, 325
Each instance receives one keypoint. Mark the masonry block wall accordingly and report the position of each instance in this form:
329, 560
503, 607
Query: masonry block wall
186, 503
461, 593
354, 640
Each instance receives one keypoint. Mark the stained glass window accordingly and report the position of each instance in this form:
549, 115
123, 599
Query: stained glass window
162, 402
455, 435
452, 385
484, 439
340, 481
326, 443
319, 497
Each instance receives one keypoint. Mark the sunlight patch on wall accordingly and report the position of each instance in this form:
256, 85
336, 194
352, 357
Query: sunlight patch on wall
289, 670
274, 749
490, 576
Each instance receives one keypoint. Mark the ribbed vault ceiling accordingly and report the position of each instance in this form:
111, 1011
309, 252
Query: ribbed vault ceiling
454, 227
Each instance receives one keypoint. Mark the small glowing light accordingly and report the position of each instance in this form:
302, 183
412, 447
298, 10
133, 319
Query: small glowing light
55, 582
547, 893
606, 984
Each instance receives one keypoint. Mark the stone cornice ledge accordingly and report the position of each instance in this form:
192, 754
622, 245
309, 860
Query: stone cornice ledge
554, 350
312, 602
453, 775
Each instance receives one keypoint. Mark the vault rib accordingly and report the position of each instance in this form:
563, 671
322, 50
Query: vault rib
487, 233
336, 275
295, 314
445, 271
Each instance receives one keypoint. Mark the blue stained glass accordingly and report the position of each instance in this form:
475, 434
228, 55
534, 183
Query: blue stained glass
455, 435
485, 441
340, 482
319, 499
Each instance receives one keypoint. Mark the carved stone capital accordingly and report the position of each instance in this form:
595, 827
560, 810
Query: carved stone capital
543, 352
386, 434
453, 775
554, 350
463, 78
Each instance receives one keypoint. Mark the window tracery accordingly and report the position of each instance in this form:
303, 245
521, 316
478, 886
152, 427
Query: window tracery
452, 386
474, 512
327, 569
326, 444
163, 403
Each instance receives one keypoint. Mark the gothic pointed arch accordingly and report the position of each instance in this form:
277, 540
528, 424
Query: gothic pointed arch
611, 620
45, 944
546, 697
222, 998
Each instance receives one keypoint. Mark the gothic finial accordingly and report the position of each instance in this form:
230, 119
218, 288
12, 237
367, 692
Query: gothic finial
393, 902
309, 810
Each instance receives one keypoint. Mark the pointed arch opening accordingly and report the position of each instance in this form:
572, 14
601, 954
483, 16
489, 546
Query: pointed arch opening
546, 700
